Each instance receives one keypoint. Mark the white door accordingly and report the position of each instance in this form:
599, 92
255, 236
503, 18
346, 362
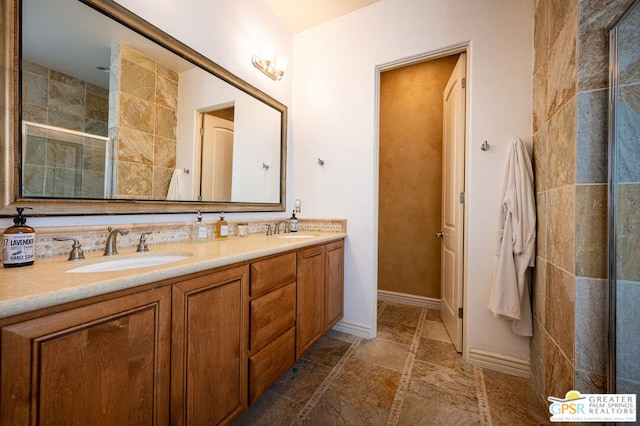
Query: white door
217, 159
453, 139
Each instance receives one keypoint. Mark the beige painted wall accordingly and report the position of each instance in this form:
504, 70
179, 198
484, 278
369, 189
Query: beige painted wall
410, 177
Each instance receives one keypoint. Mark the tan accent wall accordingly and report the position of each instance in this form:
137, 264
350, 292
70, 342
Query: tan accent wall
143, 122
410, 177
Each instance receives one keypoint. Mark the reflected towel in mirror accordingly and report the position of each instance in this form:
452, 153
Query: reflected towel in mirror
175, 185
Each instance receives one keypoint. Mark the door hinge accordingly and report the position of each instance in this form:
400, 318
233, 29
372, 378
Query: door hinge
464, 82
461, 198
460, 313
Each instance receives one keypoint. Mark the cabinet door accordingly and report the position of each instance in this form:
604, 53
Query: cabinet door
105, 363
310, 323
334, 283
209, 358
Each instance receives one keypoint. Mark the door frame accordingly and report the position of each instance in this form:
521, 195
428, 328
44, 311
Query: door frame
428, 56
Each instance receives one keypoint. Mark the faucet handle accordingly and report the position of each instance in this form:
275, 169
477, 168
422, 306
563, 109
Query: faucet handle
142, 245
269, 229
76, 250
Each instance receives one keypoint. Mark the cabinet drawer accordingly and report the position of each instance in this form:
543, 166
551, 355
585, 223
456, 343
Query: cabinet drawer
270, 363
270, 274
271, 315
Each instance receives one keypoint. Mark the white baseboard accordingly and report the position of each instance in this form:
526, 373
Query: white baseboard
359, 330
502, 363
409, 299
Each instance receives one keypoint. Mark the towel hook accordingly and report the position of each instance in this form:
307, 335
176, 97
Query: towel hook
185, 171
320, 161
265, 166
484, 146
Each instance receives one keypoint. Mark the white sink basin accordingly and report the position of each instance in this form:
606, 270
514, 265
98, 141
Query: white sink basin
292, 235
130, 262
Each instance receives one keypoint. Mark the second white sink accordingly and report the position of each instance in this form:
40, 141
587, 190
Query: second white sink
131, 262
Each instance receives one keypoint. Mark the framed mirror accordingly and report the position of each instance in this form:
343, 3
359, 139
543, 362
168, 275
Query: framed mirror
107, 114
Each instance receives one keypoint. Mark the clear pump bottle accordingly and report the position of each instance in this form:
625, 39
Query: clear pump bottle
199, 230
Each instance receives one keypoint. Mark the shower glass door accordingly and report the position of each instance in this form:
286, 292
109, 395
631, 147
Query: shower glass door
624, 204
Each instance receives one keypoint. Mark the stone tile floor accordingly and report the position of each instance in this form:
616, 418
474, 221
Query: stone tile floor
409, 375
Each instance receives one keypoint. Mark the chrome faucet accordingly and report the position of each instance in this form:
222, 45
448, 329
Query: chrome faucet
286, 228
111, 248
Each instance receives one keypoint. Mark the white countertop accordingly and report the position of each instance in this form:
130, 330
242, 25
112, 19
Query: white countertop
48, 283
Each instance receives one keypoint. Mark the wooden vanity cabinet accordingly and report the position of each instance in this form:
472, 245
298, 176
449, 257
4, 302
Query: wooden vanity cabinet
103, 363
191, 350
208, 355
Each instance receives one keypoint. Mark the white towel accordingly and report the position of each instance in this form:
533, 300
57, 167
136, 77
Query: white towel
510, 294
174, 186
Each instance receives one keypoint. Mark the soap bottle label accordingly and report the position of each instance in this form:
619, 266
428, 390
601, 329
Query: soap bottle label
202, 232
224, 230
18, 248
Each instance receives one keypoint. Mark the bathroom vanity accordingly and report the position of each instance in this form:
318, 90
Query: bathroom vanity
195, 341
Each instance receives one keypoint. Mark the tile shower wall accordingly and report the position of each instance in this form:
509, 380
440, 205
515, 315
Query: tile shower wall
142, 124
62, 166
570, 97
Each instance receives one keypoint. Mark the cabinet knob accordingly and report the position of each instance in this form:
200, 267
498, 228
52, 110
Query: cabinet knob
439, 234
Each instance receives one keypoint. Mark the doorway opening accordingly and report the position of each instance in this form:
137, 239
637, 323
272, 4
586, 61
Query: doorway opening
214, 149
421, 150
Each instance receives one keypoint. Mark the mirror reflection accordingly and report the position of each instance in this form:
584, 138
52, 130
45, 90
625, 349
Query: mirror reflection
109, 114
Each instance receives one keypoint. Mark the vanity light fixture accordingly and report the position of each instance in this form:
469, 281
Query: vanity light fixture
274, 69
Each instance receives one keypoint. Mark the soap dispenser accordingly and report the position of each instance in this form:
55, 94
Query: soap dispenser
19, 242
199, 231
293, 223
222, 227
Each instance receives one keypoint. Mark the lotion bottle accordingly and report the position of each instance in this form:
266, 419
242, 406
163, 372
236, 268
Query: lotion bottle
222, 227
19, 242
199, 231
293, 223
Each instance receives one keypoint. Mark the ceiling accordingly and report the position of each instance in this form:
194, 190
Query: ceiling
299, 15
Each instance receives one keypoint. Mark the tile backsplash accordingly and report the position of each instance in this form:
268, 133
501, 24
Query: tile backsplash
93, 238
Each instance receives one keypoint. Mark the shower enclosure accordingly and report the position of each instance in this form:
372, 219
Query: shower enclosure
624, 204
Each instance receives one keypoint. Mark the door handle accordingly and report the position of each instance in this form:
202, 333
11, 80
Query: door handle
439, 235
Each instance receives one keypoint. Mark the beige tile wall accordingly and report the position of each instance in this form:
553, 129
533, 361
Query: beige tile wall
143, 123
568, 350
